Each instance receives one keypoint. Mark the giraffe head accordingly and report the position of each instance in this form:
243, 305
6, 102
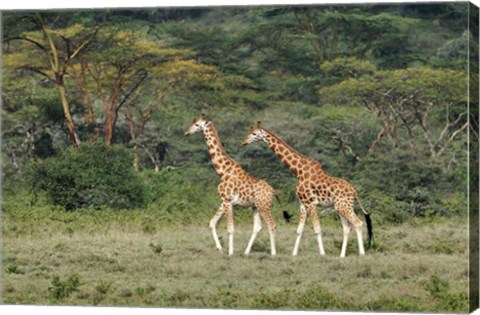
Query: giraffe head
256, 134
199, 125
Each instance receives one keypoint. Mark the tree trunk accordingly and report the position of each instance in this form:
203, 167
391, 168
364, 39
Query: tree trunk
108, 127
136, 158
68, 116
13, 157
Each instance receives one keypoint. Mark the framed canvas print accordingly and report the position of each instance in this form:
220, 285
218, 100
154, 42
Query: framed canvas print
284, 157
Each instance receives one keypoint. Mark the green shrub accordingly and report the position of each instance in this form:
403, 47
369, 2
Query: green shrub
156, 248
396, 304
272, 300
446, 300
90, 176
182, 195
62, 289
407, 183
316, 297
13, 268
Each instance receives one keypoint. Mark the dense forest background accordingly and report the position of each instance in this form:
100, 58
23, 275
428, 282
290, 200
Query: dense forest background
95, 102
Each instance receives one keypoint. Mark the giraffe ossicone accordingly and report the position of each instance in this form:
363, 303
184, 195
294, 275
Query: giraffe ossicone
316, 188
236, 188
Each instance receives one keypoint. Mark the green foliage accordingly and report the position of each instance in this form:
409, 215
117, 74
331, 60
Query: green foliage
343, 68
144, 291
103, 287
13, 268
396, 304
90, 176
401, 183
448, 302
327, 79
156, 248
62, 289
317, 298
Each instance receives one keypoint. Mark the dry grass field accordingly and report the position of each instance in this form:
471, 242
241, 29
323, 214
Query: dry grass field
126, 259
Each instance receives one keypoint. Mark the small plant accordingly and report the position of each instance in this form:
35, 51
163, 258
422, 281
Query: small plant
377, 247
59, 246
273, 300
447, 301
13, 268
178, 298
101, 290
260, 247
103, 287
316, 297
156, 248
149, 228
397, 304
437, 286
144, 291
62, 289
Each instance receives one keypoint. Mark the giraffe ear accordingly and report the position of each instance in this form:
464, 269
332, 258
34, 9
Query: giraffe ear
195, 120
258, 124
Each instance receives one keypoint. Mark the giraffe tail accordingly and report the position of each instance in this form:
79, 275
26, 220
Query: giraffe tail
286, 215
368, 220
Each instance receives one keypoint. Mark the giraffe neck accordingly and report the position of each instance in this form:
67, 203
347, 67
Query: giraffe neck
221, 161
294, 160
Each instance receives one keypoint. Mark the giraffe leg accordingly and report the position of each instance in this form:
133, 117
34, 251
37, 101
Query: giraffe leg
346, 231
301, 225
267, 217
230, 229
257, 226
358, 229
213, 226
312, 213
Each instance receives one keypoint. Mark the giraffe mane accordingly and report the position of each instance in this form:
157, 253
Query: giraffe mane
284, 143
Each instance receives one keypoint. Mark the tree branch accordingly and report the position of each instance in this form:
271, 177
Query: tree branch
451, 138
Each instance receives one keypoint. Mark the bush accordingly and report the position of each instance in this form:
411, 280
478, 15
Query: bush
90, 176
62, 289
408, 183
447, 301
184, 195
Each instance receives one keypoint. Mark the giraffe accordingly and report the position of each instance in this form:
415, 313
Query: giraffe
316, 187
236, 188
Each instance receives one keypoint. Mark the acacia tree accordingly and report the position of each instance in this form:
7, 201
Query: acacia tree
337, 31
115, 70
166, 80
418, 102
58, 48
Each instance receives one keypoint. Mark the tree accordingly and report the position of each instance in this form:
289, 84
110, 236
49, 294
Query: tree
171, 78
30, 112
58, 50
114, 71
413, 101
336, 31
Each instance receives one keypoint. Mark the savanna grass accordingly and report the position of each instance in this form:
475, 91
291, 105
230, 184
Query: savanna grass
111, 259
